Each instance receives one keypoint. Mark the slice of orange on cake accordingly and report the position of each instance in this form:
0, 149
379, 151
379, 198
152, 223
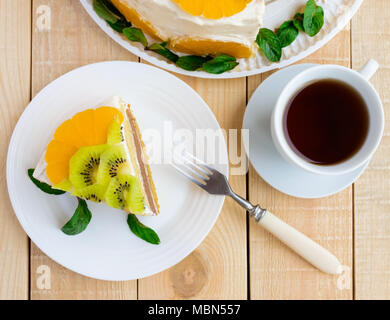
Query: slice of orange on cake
99, 155
215, 9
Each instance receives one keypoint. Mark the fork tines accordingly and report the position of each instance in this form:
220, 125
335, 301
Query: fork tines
193, 168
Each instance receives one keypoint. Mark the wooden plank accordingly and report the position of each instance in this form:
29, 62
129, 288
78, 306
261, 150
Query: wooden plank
217, 269
72, 41
372, 202
15, 60
275, 271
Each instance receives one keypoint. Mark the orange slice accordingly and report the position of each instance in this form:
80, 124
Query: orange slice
205, 46
86, 128
57, 172
213, 9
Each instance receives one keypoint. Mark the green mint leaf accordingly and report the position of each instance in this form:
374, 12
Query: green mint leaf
287, 33
119, 25
313, 18
106, 10
80, 220
220, 64
142, 231
191, 63
102, 9
136, 35
113, 9
298, 21
162, 50
43, 186
269, 43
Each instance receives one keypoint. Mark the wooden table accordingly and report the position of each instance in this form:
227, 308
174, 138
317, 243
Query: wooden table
238, 260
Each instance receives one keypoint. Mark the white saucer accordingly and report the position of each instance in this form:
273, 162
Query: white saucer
267, 161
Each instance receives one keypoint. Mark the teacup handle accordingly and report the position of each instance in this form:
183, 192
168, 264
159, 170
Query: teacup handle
369, 69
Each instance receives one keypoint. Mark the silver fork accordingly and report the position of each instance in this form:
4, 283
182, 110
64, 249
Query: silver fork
216, 183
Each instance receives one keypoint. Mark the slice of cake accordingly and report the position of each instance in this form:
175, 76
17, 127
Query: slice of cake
200, 27
99, 155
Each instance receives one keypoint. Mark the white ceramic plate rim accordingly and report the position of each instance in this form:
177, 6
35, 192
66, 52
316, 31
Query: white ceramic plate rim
227, 75
41, 244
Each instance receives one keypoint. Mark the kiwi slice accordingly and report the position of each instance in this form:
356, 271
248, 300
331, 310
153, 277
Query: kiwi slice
84, 165
124, 192
94, 193
113, 162
135, 199
115, 134
65, 185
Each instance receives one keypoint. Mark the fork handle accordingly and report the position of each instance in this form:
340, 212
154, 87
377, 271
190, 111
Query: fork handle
301, 244
297, 241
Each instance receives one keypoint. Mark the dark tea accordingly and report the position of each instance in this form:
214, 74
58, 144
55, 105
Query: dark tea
327, 122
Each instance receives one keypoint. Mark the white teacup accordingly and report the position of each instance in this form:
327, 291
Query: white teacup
359, 81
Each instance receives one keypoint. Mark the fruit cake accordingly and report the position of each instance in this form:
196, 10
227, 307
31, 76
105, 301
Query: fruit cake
99, 155
199, 27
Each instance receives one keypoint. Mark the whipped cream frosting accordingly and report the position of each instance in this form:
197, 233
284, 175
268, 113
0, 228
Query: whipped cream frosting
172, 22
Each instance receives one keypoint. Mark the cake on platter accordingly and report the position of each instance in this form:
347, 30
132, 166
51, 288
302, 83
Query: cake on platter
199, 27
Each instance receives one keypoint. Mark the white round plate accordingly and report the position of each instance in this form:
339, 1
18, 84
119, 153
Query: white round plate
267, 161
107, 249
337, 14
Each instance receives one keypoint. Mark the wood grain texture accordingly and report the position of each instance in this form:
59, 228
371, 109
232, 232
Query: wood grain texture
15, 59
217, 269
73, 40
275, 271
372, 196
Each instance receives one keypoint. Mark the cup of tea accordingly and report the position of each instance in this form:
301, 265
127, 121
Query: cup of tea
329, 119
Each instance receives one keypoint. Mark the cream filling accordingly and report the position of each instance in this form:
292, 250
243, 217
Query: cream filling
115, 102
172, 22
